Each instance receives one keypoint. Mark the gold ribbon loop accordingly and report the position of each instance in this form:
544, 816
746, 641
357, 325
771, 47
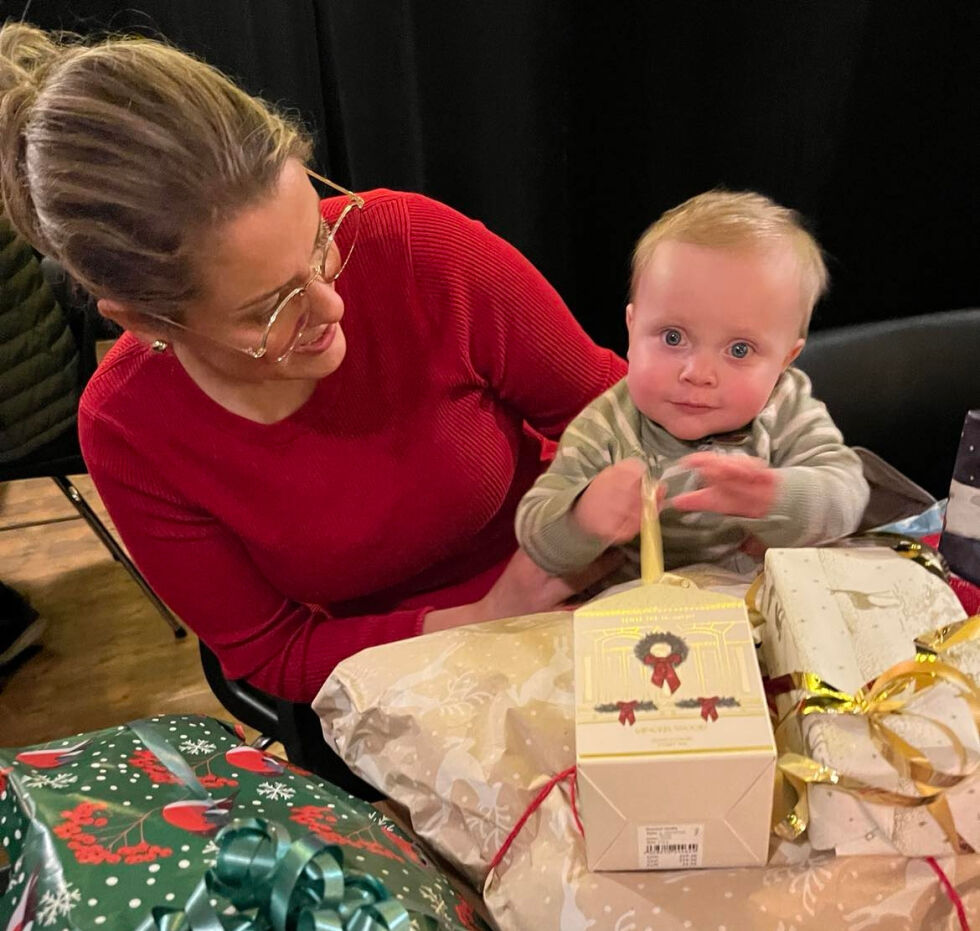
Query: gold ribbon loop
939, 641
888, 695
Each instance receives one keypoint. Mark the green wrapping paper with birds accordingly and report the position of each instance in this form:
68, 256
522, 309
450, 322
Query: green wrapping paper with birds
127, 827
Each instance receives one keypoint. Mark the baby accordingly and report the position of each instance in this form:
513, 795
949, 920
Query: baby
721, 295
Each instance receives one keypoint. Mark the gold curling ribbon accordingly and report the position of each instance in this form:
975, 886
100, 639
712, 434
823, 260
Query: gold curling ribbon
887, 695
651, 542
931, 645
756, 617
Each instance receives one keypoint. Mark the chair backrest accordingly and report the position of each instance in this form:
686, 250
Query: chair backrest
901, 388
294, 725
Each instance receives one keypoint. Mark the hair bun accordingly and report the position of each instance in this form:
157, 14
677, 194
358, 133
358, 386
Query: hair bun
186, 146
27, 55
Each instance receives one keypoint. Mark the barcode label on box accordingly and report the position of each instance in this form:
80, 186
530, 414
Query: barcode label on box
670, 846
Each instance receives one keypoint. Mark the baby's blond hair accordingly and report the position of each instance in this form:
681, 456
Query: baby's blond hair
738, 220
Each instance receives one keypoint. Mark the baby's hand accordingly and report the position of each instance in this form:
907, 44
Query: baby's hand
742, 486
611, 507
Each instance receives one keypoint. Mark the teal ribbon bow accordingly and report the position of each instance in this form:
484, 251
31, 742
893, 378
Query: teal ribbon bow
272, 884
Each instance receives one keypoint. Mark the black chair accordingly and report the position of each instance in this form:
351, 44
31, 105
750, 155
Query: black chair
61, 456
901, 388
294, 725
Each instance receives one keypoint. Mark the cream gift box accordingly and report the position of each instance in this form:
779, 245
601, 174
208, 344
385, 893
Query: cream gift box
674, 748
848, 615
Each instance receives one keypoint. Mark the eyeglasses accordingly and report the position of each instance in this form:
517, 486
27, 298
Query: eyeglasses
289, 320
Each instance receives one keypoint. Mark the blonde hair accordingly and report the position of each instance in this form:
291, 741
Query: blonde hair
117, 158
738, 220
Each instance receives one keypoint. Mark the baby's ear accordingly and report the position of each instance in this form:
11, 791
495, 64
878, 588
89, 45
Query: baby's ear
629, 316
794, 352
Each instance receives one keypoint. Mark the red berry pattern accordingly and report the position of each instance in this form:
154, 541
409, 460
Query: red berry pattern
84, 830
320, 820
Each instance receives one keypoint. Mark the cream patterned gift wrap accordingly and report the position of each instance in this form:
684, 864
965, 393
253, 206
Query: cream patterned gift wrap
847, 616
465, 727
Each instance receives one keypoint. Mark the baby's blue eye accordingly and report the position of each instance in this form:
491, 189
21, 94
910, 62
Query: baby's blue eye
672, 337
740, 350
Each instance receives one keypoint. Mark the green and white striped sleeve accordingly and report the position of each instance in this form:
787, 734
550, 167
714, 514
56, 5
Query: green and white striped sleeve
823, 491
544, 525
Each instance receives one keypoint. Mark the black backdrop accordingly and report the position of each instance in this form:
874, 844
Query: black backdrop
568, 127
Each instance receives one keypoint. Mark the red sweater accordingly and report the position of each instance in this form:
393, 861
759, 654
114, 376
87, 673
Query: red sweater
287, 547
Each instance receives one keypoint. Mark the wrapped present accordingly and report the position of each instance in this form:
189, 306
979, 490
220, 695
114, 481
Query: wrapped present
837, 619
172, 822
467, 729
968, 592
960, 542
669, 698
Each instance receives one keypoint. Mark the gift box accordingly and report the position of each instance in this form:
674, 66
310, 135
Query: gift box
960, 542
674, 748
844, 617
467, 729
172, 822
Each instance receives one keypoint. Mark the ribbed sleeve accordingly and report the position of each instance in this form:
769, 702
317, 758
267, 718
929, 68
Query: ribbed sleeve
512, 327
823, 490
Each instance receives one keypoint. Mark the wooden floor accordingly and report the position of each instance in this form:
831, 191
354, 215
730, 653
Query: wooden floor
106, 656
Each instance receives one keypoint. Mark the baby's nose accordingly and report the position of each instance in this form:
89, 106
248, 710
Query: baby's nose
699, 370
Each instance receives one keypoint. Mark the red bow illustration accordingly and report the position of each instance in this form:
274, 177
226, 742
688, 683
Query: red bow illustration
626, 712
709, 710
663, 670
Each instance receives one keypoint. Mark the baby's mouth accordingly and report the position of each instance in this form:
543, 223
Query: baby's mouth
693, 405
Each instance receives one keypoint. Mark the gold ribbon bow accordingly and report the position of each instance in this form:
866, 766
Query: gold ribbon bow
887, 695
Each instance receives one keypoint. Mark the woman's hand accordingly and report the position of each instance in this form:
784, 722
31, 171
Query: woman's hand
522, 588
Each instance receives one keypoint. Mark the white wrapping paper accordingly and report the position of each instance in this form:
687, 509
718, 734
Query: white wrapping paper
847, 615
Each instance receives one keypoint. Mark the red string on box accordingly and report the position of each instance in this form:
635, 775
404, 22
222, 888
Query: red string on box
950, 891
567, 774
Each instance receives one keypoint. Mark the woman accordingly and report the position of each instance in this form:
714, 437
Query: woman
316, 430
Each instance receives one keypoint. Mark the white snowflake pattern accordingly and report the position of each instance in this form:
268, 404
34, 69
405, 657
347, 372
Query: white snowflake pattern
57, 903
275, 791
464, 695
44, 781
435, 899
807, 879
197, 747
625, 921
488, 826
209, 853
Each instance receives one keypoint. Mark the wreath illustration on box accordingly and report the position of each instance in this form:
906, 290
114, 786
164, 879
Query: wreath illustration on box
709, 706
626, 709
663, 668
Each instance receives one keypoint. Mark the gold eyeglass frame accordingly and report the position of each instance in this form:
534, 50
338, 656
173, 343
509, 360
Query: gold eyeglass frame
354, 202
